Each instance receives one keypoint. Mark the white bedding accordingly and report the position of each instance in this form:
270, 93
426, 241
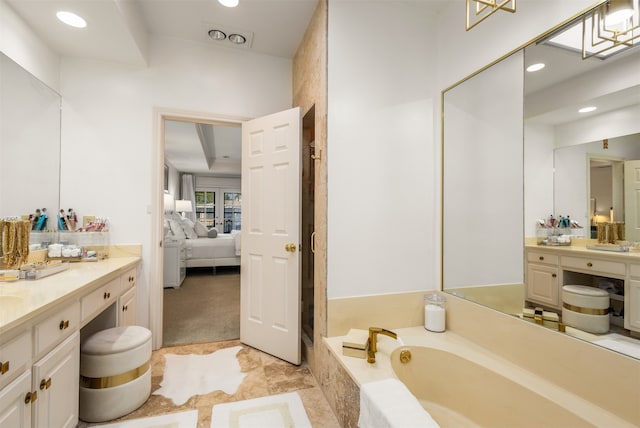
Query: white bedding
211, 248
200, 250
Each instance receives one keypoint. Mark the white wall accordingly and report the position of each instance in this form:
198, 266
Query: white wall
21, 44
205, 182
538, 175
381, 197
388, 62
107, 125
483, 179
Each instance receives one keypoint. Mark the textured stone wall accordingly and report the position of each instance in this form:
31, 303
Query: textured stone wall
310, 89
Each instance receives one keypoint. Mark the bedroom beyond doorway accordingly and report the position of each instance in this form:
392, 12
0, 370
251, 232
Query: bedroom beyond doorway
205, 308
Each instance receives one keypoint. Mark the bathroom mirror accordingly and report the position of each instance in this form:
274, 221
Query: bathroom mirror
513, 143
29, 144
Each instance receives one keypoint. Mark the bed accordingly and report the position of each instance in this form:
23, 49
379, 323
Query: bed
203, 247
223, 250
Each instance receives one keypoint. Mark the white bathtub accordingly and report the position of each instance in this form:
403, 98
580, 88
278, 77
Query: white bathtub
463, 385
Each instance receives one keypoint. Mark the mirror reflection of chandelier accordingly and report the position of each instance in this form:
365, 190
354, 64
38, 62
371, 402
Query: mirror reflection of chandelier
479, 10
610, 28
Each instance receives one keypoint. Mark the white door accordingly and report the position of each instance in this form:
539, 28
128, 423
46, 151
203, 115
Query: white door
270, 257
632, 200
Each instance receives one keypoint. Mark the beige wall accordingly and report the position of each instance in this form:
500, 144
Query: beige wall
309, 89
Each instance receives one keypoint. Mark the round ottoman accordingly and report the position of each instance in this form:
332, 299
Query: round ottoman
585, 308
115, 376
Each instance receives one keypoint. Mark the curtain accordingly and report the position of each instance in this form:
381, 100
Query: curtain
189, 193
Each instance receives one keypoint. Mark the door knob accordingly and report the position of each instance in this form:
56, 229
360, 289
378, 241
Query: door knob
291, 248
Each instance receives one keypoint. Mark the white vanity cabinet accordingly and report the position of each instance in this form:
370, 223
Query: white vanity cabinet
542, 279
549, 268
632, 299
40, 346
55, 378
174, 265
127, 301
15, 403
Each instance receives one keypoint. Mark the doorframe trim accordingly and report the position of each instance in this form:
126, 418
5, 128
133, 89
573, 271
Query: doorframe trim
156, 286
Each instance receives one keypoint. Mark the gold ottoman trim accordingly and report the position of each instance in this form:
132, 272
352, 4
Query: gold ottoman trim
115, 380
588, 311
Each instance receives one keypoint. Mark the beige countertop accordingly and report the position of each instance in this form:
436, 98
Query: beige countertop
582, 250
23, 299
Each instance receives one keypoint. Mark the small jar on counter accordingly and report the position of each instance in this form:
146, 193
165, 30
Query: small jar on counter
434, 312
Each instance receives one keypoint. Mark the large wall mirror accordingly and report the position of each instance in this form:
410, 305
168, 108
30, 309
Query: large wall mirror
516, 149
29, 144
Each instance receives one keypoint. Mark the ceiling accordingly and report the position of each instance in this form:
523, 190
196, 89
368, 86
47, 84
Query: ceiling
119, 30
593, 79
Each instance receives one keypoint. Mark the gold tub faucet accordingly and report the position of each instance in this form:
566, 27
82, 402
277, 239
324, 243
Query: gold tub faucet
373, 341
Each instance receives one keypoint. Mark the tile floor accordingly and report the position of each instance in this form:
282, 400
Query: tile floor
266, 375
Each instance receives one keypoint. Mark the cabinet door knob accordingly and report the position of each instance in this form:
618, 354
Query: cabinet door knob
64, 324
589, 264
45, 384
124, 308
4, 367
106, 295
541, 258
30, 397
553, 275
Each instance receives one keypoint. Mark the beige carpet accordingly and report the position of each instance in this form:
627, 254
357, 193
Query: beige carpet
206, 308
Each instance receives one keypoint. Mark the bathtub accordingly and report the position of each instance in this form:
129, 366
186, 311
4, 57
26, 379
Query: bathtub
463, 385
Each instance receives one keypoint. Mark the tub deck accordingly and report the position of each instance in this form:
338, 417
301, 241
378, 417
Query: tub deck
449, 393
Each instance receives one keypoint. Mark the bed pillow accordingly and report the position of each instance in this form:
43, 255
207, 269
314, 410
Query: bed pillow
187, 226
176, 230
212, 233
200, 229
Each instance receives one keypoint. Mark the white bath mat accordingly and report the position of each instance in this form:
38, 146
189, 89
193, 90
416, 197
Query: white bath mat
619, 343
188, 419
189, 375
273, 411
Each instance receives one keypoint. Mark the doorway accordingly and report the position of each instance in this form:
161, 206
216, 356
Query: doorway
162, 203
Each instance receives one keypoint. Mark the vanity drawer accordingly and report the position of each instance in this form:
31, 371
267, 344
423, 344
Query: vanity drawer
597, 266
634, 270
128, 280
540, 257
100, 298
56, 328
15, 357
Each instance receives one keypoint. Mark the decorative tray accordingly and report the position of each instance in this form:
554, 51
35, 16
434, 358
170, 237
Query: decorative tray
43, 272
609, 247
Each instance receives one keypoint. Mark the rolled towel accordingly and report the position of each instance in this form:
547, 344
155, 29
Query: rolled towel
388, 403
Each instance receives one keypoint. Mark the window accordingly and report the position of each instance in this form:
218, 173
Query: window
206, 208
219, 208
232, 211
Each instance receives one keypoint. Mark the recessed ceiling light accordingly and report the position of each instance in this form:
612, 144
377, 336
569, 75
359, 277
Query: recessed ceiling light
238, 39
217, 35
71, 19
535, 67
228, 3
587, 109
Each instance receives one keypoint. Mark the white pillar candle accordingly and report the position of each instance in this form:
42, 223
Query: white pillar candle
434, 316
